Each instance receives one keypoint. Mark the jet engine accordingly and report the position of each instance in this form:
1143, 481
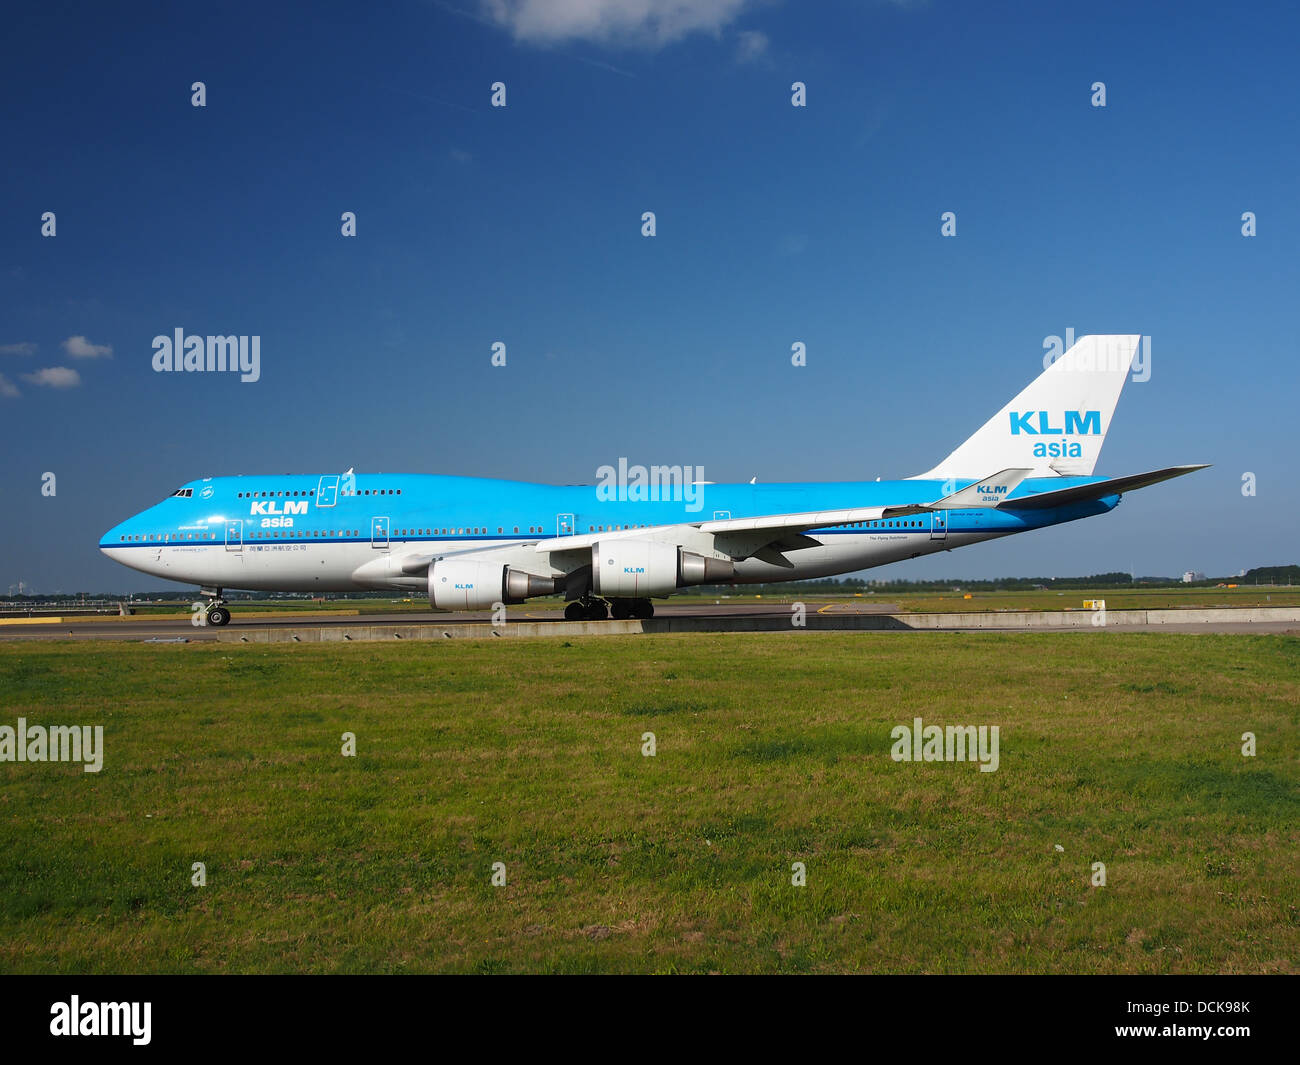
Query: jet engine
473, 584
642, 569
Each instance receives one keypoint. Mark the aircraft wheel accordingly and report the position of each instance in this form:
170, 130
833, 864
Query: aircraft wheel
218, 616
575, 611
622, 610
596, 611
643, 609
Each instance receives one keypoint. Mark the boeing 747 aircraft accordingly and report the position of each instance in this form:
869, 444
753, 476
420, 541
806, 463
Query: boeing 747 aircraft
471, 543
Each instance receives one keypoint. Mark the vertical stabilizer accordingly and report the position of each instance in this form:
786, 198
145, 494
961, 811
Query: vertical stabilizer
1056, 426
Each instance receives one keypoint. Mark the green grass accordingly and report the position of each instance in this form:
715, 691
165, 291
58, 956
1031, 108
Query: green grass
772, 749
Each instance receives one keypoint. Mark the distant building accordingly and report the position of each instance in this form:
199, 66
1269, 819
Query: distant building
1189, 576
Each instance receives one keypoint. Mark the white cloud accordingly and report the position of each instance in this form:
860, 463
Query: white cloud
7, 388
459, 155
81, 348
751, 45
25, 347
54, 377
645, 23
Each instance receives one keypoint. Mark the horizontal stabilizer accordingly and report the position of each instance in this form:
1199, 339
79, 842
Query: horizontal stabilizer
990, 492
1098, 489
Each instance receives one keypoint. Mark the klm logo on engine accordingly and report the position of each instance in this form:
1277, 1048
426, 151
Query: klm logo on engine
464, 587
634, 569
290, 507
1080, 423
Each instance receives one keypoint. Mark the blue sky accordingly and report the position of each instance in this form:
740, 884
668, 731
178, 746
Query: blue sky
522, 224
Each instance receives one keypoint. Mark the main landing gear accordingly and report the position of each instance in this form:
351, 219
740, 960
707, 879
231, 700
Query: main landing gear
590, 609
586, 610
215, 611
642, 609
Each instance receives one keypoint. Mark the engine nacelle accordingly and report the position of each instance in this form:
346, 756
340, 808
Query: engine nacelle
473, 584
643, 569
633, 569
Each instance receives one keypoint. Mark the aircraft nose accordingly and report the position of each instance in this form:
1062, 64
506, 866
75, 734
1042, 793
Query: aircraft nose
112, 538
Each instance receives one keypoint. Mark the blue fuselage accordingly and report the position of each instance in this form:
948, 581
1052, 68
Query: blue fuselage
302, 533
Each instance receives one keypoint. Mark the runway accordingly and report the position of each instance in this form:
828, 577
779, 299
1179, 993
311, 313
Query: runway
252, 627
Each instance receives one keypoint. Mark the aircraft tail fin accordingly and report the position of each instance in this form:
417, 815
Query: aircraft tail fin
1056, 425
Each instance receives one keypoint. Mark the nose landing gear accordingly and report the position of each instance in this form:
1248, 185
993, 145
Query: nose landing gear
215, 612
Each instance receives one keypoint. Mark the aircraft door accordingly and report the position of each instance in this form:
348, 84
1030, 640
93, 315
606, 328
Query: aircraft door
379, 533
938, 524
564, 524
235, 534
327, 492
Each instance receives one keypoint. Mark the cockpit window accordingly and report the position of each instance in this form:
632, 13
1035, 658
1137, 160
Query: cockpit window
186, 492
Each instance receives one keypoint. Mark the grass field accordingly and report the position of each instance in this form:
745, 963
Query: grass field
771, 749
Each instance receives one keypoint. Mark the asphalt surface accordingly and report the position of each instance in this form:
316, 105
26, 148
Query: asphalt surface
145, 627
171, 629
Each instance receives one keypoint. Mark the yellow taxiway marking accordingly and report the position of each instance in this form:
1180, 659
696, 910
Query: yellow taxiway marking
276, 614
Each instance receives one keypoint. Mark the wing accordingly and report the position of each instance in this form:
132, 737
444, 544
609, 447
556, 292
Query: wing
768, 536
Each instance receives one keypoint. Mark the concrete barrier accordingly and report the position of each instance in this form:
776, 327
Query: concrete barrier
992, 620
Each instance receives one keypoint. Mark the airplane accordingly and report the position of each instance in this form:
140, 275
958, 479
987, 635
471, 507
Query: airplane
476, 543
